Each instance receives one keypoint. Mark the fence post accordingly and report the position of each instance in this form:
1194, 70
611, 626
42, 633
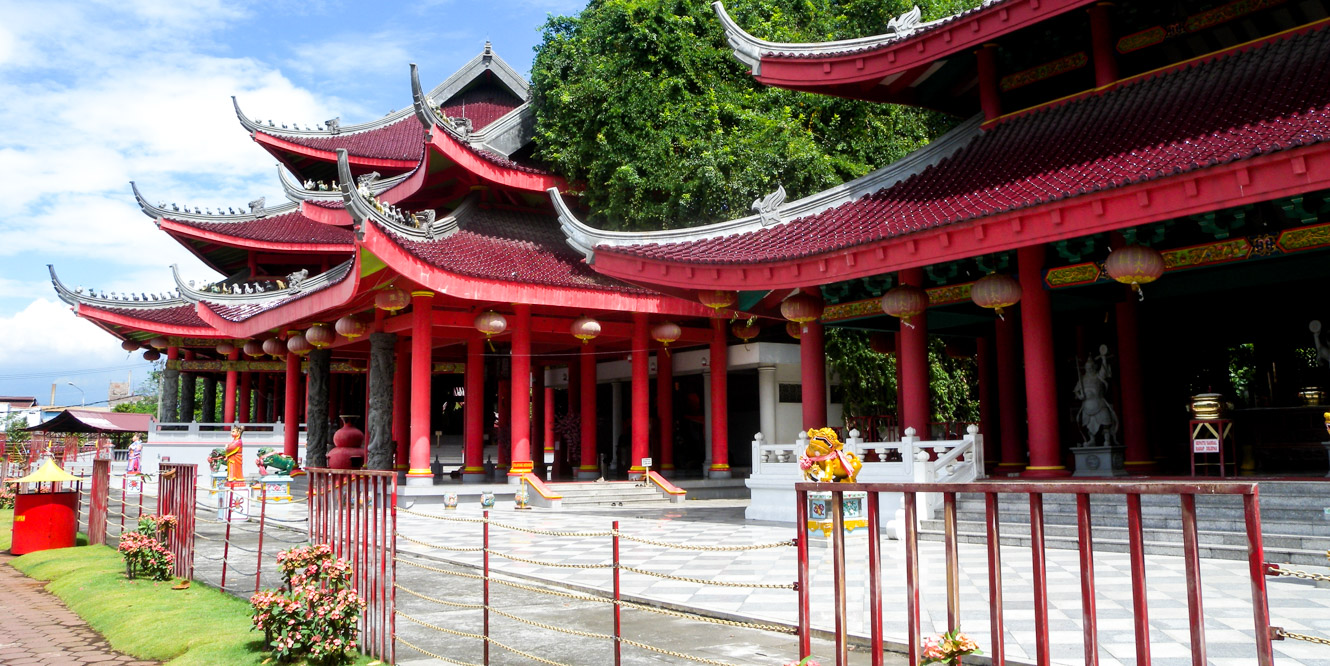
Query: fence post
618, 610
392, 609
838, 573
263, 521
101, 476
805, 594
226, 542
486, 543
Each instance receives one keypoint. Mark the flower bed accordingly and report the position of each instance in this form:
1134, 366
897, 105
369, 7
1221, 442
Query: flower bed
144, 549
314, 617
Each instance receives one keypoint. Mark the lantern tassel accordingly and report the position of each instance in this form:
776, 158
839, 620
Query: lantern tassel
490, 342
907, 323
1140, 293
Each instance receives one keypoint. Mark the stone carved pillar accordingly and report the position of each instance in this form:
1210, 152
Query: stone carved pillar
209, 403
169, 405
318, 430
379, 425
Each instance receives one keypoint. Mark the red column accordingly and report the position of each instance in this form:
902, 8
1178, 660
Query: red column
665, 410
549, 453
913, 392
229, 398
1101, 40
641, 431
983, 358
474, 412
986, 57
521, 391
246, 387
501, 405
575, 373
590, 466
720, 415
1138, 456
812, 374
900, 382
538, 441
291, 417
1012, 417
401, 406
422, 346
1041, 398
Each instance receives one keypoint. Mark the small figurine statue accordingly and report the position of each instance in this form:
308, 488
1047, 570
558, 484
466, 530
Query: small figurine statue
450, 501
1096, 415
487, 499
825, 458
281, 463
235, 461
135, 465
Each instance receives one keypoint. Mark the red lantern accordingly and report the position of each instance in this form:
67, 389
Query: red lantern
224, 349
392, 299
996, 292
274, 347
320, 335
297, 344
882, 342
744, 330
585, 329
905, 301
1134, 265
717, 298
491, 323
151, 355
159, 342
350, 327
801, 307
129, 345
666, 332
794, 329
253, 349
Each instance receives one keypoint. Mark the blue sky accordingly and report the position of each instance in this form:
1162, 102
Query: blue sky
94, 94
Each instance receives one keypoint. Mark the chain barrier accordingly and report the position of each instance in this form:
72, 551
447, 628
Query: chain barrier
542, 563
1275, 571
550, 627
672, 653
438, 570
439, 657
455, 604
773, 628
699, 547
457, 549
703, 581
1280, 635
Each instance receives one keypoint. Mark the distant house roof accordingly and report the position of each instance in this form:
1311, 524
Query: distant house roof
78, 420
20, 402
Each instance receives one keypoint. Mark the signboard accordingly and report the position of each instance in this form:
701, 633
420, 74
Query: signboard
646, 462
1205, 446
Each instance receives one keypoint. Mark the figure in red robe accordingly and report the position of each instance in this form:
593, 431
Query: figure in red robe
234, 456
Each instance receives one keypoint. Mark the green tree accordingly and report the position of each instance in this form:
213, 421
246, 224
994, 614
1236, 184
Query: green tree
868, 378
642, 104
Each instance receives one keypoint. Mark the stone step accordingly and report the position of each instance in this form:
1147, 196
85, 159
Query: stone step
609, 494
615, 501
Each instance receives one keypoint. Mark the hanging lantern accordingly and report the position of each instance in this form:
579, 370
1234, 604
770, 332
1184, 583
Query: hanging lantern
298, 345
1135, 265
159, 342
225, 349
996, 292
717, 298
745, 330
491, 324
320, 336
666, 332
882, 342
253, 349
350, 327
151, 355
905, 301
274, 347
392, 299
585, 329
801, 307
794, 329
129, 345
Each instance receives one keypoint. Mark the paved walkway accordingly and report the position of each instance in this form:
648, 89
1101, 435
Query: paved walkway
39, 629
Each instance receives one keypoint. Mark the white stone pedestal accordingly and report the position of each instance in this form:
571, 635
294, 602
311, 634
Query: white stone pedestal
854, 509
1100, 460
275, 487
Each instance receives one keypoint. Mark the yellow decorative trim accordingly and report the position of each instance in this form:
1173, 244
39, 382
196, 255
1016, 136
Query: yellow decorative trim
473, 470
719, 467
1140, 462
588, 468
422, 292
419, 472
1044, 467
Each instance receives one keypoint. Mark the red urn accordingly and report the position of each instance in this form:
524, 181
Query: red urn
348, 446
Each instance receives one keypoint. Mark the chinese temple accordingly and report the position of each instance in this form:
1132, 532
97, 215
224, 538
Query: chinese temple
1130, 220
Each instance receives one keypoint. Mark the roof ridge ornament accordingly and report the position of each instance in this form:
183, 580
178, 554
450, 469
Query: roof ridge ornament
257, 206
768, 207
906, 23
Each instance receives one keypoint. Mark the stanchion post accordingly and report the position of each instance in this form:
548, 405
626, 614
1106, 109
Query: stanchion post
874, 579
953, 562
912, 620
618, 633
486, 543
998, 653
122, 506
226, 543
263, 522
1251, 514
838, 573
392, 612
804, 594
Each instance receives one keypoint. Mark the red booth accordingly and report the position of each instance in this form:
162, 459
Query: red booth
45, 520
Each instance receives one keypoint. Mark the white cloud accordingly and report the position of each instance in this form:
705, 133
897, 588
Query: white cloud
46, 334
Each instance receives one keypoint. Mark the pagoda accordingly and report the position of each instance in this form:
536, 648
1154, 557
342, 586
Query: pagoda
1100, 147
416, 264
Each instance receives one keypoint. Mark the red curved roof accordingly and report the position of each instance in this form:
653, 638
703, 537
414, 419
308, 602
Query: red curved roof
482, 105
290, 227
1217, 109
402, 140
183, 315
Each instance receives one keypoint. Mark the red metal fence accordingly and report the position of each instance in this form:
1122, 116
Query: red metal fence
355, 512
175, 496
1130, 491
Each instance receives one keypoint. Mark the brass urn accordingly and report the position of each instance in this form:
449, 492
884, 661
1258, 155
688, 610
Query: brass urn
1312, 395
1207, 406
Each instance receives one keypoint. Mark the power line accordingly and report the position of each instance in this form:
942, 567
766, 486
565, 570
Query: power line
67, 373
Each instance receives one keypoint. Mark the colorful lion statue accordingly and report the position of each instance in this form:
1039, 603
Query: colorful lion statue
217, 460
280, 462
826, 459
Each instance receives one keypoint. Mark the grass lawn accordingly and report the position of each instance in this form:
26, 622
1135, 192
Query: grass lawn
145, 619
6, 528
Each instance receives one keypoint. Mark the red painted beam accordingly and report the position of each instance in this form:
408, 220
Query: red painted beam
112, 318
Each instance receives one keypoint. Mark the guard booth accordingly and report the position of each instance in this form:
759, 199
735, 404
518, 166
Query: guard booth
45, 513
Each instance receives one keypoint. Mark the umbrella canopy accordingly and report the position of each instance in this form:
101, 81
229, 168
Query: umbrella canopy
49, 472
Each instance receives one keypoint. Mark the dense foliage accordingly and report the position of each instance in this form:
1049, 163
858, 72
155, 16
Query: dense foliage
145, 551
868, 378
641, 104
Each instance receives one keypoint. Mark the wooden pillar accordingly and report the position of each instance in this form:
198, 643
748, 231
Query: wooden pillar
246, 388
291, 406
720, 411
422, 346
812, 374
520, 402
989, 101
170, 392
473, 415
318, 426
590, 466
641, 430
1101, 40
983, 360
208, 405
402, 405
229, 398
1138, 458
379, 423
914, 391
1041, 398
1012, 419
665, 411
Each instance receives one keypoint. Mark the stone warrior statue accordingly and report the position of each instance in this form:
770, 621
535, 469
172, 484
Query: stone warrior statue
1096, 414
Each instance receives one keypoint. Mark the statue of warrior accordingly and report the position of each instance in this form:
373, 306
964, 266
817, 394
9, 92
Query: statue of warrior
1096, 415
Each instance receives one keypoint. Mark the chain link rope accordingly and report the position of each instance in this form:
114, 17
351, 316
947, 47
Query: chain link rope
672, 653
704, 548
1274, 570
550, 627
457, 549
422, 650
456, 604
562, 565
1280, 634
481, 637
702, 581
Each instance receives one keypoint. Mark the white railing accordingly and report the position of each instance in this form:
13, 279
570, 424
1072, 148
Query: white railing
192, 442
911, 460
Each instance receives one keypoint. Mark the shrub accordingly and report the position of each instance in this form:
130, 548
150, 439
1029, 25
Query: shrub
314, 618
7, 493
145, 550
